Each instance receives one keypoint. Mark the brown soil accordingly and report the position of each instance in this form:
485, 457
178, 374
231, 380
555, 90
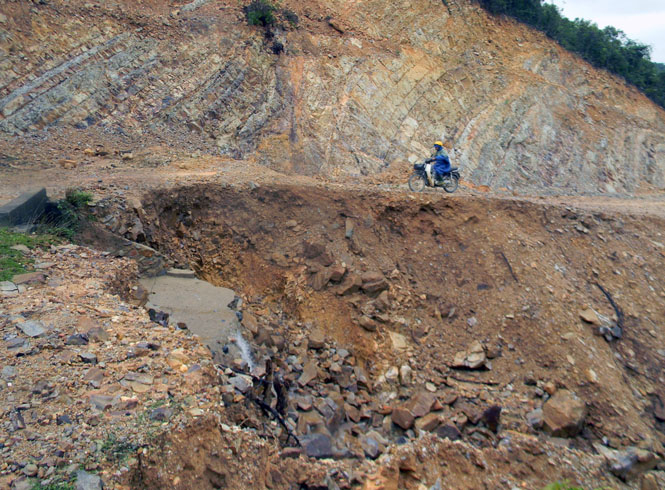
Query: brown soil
524, 271
510, 272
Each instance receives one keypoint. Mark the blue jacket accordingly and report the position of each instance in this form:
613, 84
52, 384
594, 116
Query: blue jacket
442, 162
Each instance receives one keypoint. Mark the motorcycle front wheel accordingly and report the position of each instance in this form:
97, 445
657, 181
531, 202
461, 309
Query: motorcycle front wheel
450, 184
417, 182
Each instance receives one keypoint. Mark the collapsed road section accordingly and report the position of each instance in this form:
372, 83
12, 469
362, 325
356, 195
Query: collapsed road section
377, 318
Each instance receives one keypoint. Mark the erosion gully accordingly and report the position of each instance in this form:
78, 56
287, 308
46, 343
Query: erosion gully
355, 304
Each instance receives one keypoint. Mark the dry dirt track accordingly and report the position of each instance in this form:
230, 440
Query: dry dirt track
107, 176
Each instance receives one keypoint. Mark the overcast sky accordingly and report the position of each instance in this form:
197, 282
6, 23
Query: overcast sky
641, 20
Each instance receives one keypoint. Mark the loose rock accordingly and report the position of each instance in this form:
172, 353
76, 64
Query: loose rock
473, 358
402, 417
318, 446
32, 328
563, 414
88, 481
535, 418
589, 316
77, 339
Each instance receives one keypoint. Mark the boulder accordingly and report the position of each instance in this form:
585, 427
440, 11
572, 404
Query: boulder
320, 279
241, 383
392, 374
491, 417
535, 418
398, 340
337, 272
88, 357
311, 422
309, 373
348, 228
311, 250
448, 431
370, 447
649, 482
98, 334
630, 463
316, 340
29, 278
77, 339
250, 322
88, 481
563, 414
428, 423
405, 374
633, 462
101, 402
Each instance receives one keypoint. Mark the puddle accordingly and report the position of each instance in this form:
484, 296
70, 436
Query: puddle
200, 305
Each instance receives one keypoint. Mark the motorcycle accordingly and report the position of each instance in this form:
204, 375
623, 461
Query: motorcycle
423, 176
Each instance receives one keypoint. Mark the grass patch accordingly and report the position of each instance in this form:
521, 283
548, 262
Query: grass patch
563, 486
14, 262
118, 450
65, 216
59, 485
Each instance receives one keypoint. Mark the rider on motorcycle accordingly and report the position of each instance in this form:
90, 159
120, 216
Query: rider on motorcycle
440, 156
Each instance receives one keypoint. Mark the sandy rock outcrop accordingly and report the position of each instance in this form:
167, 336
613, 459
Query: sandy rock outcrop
360, 87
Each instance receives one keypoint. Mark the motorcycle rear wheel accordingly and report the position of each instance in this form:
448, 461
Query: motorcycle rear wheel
450, 184
417, 182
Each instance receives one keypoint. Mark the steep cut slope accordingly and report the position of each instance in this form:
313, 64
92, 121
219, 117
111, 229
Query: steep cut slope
361, 86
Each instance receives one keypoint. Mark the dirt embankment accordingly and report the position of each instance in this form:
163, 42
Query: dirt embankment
411, 281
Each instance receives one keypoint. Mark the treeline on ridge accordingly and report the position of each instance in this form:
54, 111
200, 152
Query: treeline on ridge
607, 48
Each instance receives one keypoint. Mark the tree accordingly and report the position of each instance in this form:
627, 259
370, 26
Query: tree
607, 48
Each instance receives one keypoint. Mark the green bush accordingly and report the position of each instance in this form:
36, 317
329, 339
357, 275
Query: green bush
290, 16
64, 219
77, 198
260, 13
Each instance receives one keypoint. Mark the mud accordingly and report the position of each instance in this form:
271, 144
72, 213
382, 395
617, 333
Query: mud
194, 305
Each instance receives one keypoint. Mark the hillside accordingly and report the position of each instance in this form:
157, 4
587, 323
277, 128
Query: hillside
253, 298
360, 87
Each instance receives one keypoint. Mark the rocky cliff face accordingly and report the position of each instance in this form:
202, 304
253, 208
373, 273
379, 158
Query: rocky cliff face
360, 87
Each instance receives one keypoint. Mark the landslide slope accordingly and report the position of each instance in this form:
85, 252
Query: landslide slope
361, 86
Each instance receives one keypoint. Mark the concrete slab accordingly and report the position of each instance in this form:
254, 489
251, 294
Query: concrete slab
25, 209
